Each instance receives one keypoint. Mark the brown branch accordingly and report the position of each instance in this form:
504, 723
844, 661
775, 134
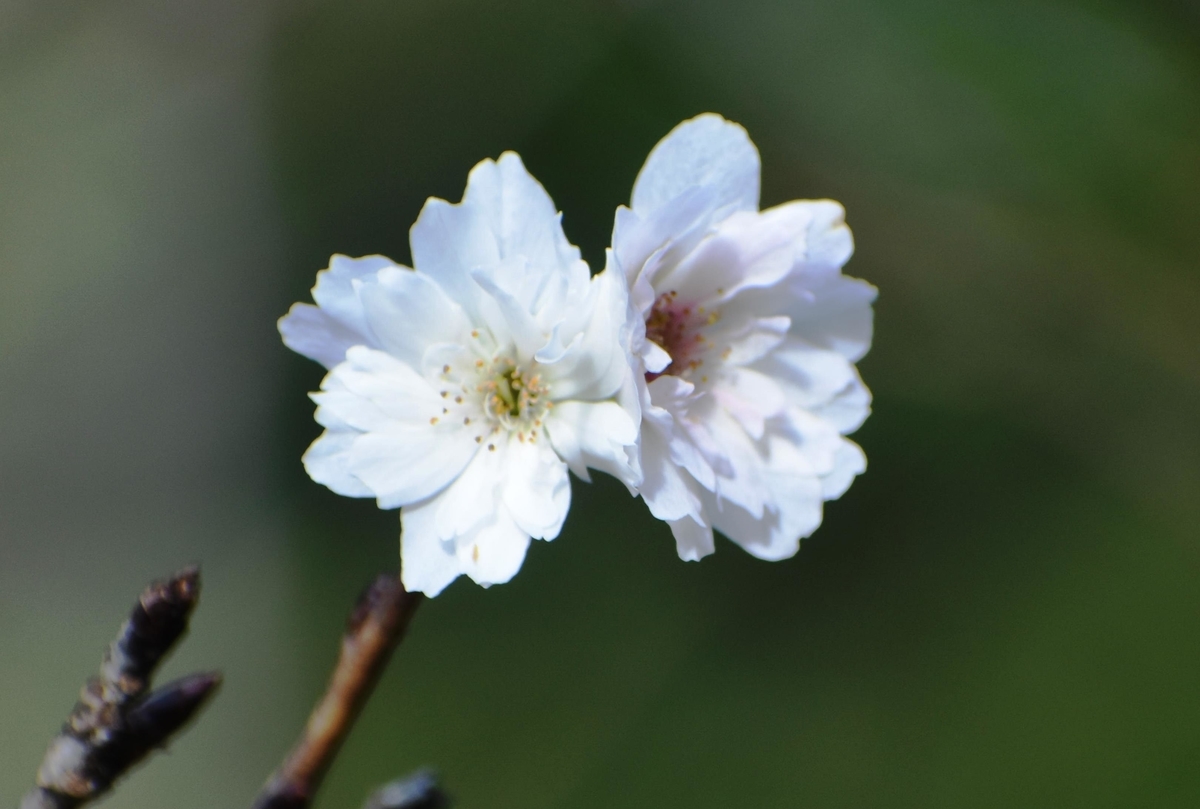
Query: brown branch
116, 723
374, 630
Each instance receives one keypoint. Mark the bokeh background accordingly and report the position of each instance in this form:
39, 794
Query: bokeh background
1003, 611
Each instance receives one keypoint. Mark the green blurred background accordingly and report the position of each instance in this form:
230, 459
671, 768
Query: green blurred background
1004, 611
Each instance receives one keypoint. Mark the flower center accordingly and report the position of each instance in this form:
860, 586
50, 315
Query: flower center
514, 397
494, 396
678, 329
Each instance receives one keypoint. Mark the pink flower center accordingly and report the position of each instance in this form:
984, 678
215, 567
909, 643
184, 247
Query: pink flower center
678, 328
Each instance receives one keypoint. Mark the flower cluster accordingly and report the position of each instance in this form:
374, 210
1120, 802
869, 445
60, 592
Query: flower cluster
709, 367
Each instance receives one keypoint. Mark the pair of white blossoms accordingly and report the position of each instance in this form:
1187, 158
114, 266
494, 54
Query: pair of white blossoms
710, 367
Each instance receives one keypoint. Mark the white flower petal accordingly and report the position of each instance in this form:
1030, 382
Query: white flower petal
828, 242
595, 365
448, 241
683, 421
427, 564
848, 409
372, 390
507, 318
536, 488
327, 462
654, 358
522, 216
745, 251
849, 462
644, 242
324, 332
594, 434
810, 376
743, 480
493, 552
815, 442
835, 314
408, 311
408, 464
755, 338
670, 493
308, 330
693, 541
334, 291
706, 151
471, 499
765, 537
750, 397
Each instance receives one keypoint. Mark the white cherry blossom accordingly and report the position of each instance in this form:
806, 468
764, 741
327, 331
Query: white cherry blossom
744, 333
463, 390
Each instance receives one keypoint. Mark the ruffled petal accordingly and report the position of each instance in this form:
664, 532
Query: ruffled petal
471, 499
335, 290
536, 488
324, 332
669, 492
828, 242
309, 331
448, 241
748, 339
327, 462
408, 311
809, 376
848, 409
521, 215
706, 151
740, 478
767, 537
505, 214
493, 552
748, 250
408, 464
693, 540
682, 419
595, 434
644, 242
835, 314
405, 452
750, 397
595, 364
427, 563
507, 318
373, 390
849, 462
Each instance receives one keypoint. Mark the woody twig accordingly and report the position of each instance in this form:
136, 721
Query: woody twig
375, 628
118, 721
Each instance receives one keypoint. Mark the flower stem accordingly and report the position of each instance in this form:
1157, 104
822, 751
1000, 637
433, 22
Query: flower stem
372, 633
